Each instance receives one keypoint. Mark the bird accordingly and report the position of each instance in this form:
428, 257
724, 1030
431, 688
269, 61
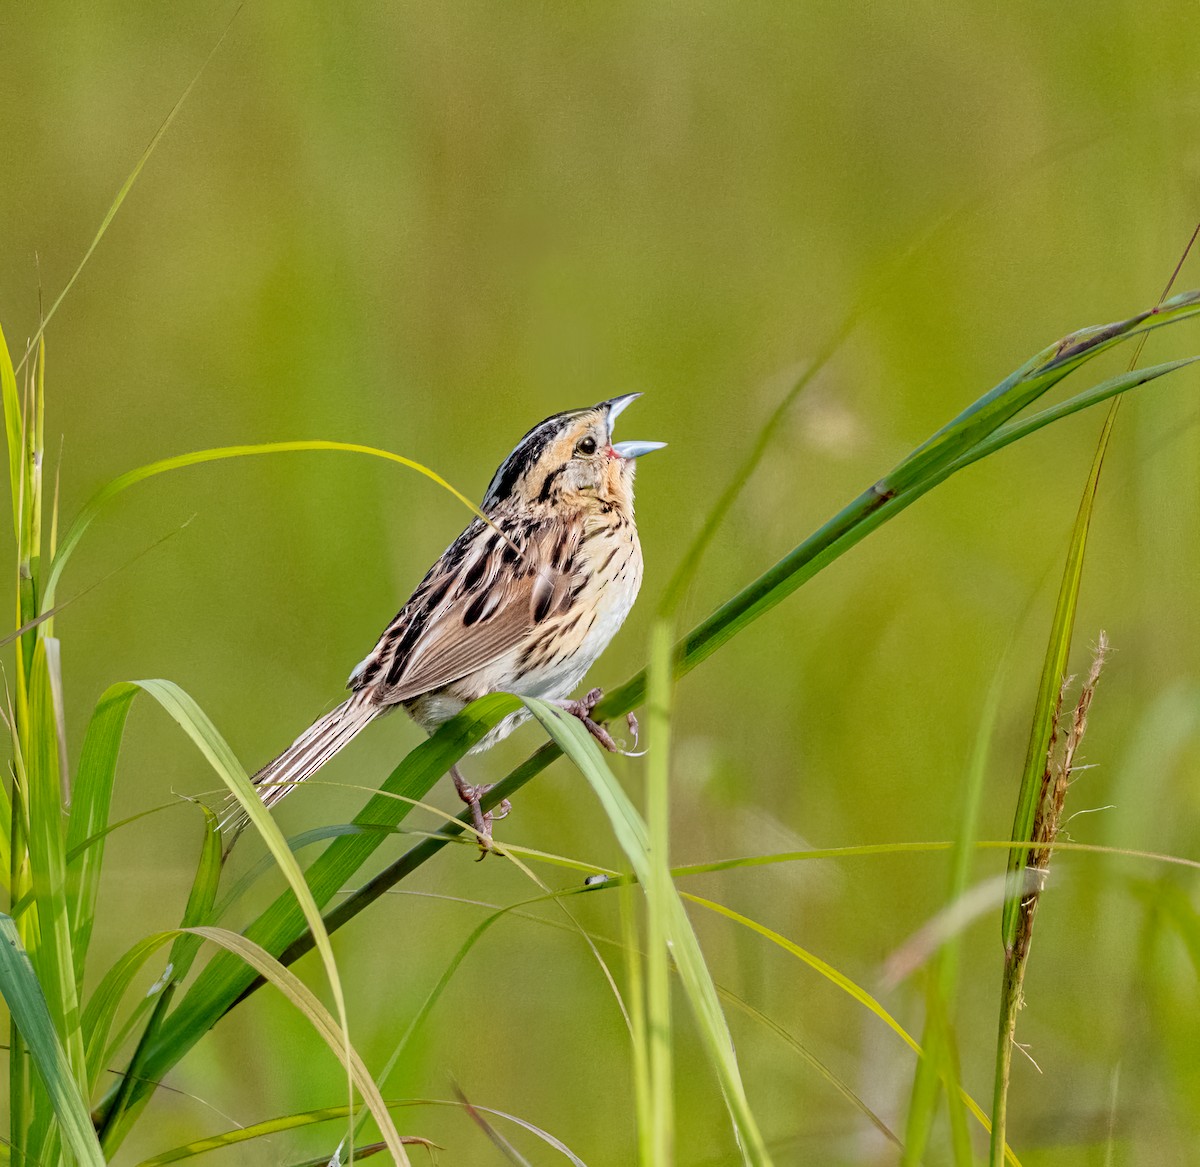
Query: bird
524, 601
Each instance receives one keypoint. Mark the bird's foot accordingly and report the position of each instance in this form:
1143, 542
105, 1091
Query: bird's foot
481, 819
582, 709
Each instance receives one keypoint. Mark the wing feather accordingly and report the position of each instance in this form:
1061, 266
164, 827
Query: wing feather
493, 604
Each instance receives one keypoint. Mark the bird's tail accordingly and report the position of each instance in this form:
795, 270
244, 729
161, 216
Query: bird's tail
307, 754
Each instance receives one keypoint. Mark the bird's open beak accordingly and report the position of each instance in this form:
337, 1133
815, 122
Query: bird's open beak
636, 449
628, 449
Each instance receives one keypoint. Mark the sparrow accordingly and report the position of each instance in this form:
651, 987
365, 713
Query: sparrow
523, 603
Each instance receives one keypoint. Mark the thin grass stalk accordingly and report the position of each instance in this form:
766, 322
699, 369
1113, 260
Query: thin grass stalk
659, 895
1016, 919
642, 1094
1055, 778
631, 832
942, 978
111, 1130
25, 1089
18, 1085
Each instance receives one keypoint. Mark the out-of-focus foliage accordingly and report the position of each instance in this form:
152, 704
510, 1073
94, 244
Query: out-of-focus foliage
424, 227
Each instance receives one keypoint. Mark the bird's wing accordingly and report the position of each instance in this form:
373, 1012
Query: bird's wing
481, 600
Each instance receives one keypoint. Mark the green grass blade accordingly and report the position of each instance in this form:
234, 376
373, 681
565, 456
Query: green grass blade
14, 430
1017, 391
198, 457
90, 806
638, 1024
1014, 431
843, 982
629, 943
36, 455
661, 897
633, 835
102, 1005
201, 899
333, 1031
1054, 671
327, 1113
30, 1014
52, 955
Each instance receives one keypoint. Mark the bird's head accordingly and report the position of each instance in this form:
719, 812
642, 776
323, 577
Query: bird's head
570, 460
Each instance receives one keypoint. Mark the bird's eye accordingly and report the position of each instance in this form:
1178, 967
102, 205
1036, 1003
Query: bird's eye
587, 445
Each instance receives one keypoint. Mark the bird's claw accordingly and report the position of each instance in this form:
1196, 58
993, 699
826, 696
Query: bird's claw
582, 709
481, 819
634, 728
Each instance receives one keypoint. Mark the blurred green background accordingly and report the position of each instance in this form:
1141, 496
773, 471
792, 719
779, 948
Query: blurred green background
425, 227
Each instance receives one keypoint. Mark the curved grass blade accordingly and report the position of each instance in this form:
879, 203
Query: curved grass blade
843, 982
203, 733
131, 477
493, 1135
27, 1006
199, 908
118, 979
334, 1032
548, 896
225, 980
326, 1114
629, 944
1014, 431
634, 837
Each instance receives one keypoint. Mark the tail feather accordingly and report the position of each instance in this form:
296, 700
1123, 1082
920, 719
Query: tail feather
308, 753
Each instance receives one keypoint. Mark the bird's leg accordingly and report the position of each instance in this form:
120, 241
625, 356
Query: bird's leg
480, 819
582, 710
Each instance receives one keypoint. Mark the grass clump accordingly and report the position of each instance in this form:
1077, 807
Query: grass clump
65, 1108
